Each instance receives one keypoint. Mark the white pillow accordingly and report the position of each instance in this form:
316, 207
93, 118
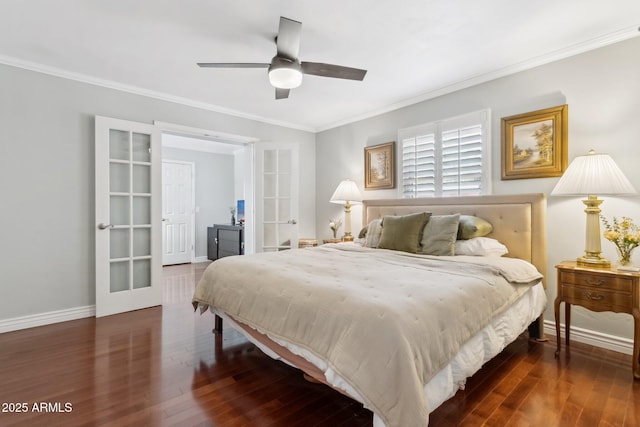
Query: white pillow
374, 231
480, 246
359, 241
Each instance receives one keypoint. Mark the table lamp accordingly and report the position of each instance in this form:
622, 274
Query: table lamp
347, 194
590, 175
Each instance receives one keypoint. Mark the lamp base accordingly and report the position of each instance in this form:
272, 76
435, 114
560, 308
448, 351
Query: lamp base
593, 262
592, 257
347, 237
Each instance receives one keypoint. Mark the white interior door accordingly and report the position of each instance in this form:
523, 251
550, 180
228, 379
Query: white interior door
276, 196
177, 212
128, 206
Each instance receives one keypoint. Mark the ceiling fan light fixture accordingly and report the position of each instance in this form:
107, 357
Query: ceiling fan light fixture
285, 69
285, 74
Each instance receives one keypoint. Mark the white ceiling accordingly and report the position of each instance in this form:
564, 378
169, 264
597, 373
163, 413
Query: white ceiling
413, 49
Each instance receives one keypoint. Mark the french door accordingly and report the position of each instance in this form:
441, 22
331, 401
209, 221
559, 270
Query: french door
277, 196
128, 206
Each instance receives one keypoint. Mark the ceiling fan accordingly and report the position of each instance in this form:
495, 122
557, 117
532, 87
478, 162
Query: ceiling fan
285, 69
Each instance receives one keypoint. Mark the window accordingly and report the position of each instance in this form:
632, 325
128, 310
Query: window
446, 158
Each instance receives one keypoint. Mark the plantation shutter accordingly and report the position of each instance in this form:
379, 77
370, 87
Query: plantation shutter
418, 165
462, 161
446, 158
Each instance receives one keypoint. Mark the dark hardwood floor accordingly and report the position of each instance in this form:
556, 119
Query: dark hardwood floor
163, 367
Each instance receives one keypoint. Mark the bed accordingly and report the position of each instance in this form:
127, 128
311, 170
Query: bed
398, 331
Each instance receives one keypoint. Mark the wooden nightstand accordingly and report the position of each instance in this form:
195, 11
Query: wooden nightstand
307, 242
599, 289
325, 241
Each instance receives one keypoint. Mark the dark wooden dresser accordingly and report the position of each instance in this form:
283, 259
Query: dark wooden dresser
224, 240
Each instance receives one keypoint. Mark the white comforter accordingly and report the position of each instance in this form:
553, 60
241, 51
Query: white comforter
385, 321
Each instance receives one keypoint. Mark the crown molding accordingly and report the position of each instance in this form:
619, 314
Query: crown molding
576, 49
83, 78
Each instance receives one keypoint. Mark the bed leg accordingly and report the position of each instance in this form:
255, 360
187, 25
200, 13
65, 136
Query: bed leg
217, 329
536, 330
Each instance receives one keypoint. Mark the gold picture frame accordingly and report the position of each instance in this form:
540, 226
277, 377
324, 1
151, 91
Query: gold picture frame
534, 145
379, 166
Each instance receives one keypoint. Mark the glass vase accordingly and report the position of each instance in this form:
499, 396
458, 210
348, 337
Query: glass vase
624, 257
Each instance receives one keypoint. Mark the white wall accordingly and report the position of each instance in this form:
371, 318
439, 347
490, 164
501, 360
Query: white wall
47, 181
602, 90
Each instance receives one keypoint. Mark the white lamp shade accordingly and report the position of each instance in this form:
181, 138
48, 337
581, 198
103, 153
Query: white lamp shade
593, 174
347, 191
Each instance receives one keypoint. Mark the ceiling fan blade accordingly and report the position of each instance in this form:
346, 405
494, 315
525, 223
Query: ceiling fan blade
330, 70
288, 39
232, 65
282, 93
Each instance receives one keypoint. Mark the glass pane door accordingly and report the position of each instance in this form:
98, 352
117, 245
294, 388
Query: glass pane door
127, 200
130, 214
278, 212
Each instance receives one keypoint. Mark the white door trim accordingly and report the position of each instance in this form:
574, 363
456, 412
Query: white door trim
203, 133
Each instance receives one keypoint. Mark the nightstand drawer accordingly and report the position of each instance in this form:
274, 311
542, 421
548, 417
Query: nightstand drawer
616, 283
597, 298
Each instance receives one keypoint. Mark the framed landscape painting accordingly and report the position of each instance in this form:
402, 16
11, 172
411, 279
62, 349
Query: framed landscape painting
534, 145
379, 166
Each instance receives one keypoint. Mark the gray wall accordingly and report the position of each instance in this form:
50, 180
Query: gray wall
214, 190
47, 181
601, 88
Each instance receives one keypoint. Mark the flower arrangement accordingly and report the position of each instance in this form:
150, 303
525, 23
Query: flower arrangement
334, 225
624, 234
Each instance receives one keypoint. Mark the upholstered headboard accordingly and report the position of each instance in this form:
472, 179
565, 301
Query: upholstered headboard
518, 220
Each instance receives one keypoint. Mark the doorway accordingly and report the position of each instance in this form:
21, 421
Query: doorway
222, 175
128, 189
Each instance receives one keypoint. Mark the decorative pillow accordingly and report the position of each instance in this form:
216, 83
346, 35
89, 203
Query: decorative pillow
472, 226
403, 233
374, 230
439, 236
363, 232
481, 246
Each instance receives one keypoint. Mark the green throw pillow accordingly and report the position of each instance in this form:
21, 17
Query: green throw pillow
403, 233
472, 226
439, 236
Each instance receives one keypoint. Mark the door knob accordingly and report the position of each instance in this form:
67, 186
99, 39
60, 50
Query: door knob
102, 226
292, 221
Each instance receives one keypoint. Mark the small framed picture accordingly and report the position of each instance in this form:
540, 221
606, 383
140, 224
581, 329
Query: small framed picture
534, 145
379, 166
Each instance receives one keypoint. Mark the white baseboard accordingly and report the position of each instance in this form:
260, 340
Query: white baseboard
41, 319
596, 339
201, 259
